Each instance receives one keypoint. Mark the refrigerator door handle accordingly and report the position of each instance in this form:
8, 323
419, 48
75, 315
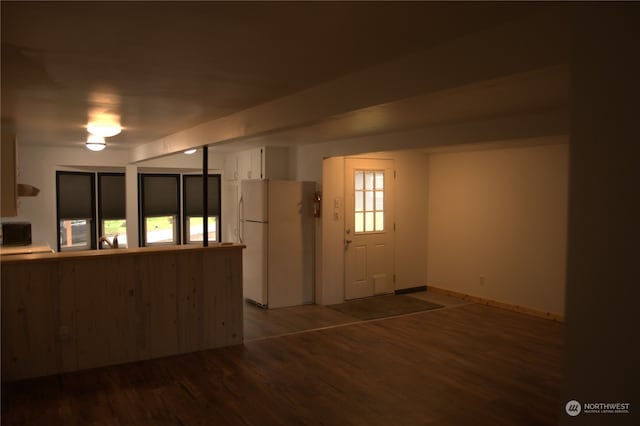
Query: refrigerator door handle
241, 220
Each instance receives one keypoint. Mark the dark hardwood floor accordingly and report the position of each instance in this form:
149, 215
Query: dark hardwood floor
261, 323
464, 365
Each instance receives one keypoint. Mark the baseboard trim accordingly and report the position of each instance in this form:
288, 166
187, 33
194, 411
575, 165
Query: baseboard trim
254, 303
411, 289
494, 303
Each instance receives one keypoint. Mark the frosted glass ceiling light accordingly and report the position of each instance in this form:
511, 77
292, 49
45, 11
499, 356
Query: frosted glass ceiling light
105, 130
96, 143
190, 151
102, 117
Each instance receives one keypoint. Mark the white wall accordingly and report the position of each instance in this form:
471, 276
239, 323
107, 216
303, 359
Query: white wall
330, 262
412, 260
497, 223
412, 189
37, 166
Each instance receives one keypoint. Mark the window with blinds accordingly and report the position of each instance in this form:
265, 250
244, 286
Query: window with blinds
193, 211
112, 208
75, 210
159, 209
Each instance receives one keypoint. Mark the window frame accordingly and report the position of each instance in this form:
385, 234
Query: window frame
185, 221
100, 215
92, 226
142, 225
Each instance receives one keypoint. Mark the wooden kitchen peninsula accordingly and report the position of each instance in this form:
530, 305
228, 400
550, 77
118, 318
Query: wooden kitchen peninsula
76, 310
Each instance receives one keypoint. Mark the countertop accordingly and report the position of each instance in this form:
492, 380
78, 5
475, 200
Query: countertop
68, 255
28, 249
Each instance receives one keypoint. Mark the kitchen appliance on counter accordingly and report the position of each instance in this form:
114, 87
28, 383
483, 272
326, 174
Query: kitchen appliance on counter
16, 234
277, 226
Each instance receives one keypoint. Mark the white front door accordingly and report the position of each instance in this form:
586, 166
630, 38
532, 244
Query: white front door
369, 227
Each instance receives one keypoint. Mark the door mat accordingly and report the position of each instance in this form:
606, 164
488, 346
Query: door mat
383, 306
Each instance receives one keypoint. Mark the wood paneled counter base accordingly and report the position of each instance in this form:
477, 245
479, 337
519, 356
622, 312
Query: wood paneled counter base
72, 311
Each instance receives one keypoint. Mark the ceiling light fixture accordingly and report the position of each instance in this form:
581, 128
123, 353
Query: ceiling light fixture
190, 151
96, 143
105, 130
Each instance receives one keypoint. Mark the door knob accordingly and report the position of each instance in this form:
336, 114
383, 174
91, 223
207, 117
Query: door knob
346, 243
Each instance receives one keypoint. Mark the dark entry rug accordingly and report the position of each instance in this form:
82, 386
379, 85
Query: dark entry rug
383, 306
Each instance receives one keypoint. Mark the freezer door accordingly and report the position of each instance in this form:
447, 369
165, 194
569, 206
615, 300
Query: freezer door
291, 242
254, 195
254, 264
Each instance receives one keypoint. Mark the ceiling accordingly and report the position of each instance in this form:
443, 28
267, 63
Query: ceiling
167, 66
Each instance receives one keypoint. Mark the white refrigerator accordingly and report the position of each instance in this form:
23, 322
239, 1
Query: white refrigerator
278, 228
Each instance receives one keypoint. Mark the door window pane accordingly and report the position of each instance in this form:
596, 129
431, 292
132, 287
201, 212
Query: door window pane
369, 201
379, 201
379, 221
359, 180
379, 180
368, 180
368, 222
359, 222
359, 201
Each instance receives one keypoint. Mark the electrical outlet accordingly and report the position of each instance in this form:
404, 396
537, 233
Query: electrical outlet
481, 279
